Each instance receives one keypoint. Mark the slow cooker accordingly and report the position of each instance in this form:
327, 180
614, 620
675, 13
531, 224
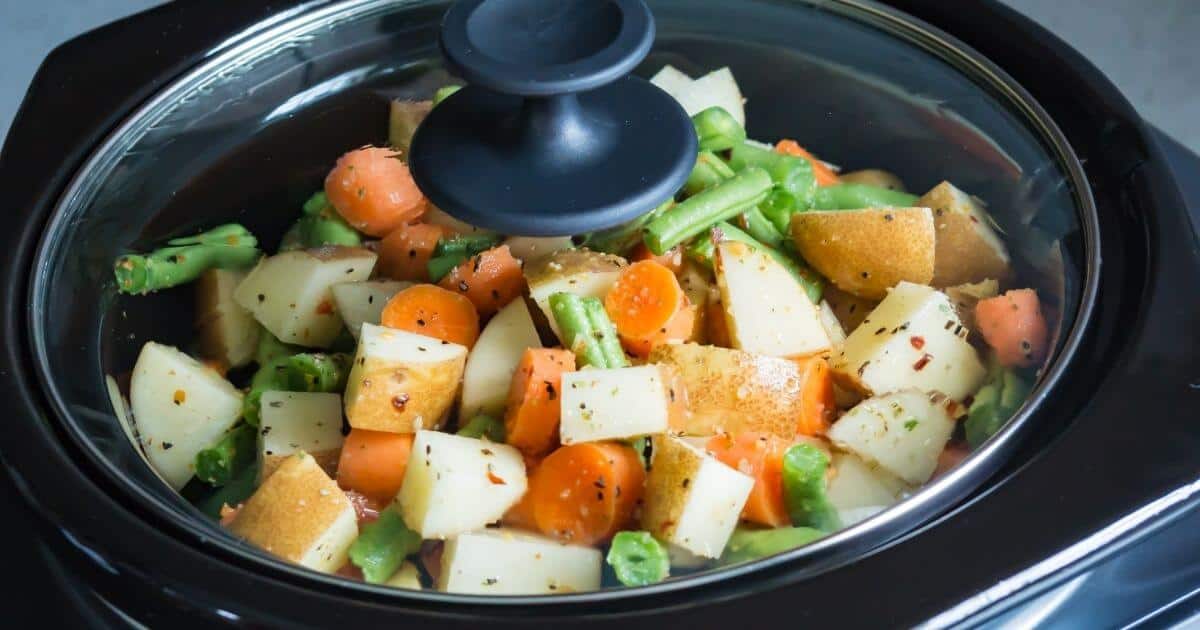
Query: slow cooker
188, 114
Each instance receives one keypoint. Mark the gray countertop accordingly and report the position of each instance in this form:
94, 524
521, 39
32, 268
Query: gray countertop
1147, 47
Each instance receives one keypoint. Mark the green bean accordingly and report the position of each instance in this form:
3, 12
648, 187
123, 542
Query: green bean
788, 172
454, 251
270, 347
622, 238
638, 559
718, 130
184, 259
236, 491
993, 405
699, 212
761, 229
318, 372
218, 464
484, 425
854, 196
709, 171
319, 226
804, 468
571, 315
605, 333
704, 248
778, 208
444, 93
382, 546
751, 544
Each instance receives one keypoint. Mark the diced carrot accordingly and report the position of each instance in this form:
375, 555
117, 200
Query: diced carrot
531, 419
759, 455
373, 463
404, 253
671, 259
648, 307
1014, 326
825, 175
374, 191
717, 327
490, 279
430, 310
584, 493
521, 514
818, 401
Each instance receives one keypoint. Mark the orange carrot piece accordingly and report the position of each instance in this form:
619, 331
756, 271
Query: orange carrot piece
1014, 326
761, 456
521, 515
584, 493
648, 307
404, 253
430, 310
825, 175
817, 398
490, 279
531, 419
373, 463
374, 191
671, 259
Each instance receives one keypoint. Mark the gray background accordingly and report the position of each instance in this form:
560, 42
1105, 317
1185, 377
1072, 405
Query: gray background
1149, 48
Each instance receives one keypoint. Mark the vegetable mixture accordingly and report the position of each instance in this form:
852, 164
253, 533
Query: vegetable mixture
780, 351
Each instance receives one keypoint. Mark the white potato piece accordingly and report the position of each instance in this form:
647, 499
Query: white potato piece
913, 339
491, 363
510, 562
715, 89
766, 310
361, 303
456, 484
180, 407
903, 432
125, 419
833, 327
857, 485
681, 558
614, 404
691, 499
530, 248
854, 516
403, 119
402, 382
968, 247
301, 515
671, 80
582, 272
294, 422
964, 297
228, 332
407, 576
289, 293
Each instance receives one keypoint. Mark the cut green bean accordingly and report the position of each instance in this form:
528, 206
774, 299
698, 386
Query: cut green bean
704, 248
699, 212
605, 333
571, 315
993, 405
790, 173
804, 468
454, 251
484, 426
236, 450
382, 546
244, 483
622, 238
638, 559
761, 229
318, 372
184, 259
709, 171
444, 93
270, 347
319, 226
854, 196
778, 208
718, 130
751, 544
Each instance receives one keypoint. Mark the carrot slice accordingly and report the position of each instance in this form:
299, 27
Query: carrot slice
759, 455
817, 397
521, 515
374, 191
825, 175
490, 279
373, 463
430, 310
531, 420
648, 307
404, 253
1013, 325
671, 259
584, 493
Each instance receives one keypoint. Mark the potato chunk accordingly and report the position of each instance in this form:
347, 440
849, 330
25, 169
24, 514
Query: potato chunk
968, 248
180, 407
867, 251
456, 484
902, 432
613, 404
510, 562
691, 499
228, 332
579, 271
300, 515
361, 303
913, 339
530, 248
294, 422
859, 489
289, 293
493, 359
402, 382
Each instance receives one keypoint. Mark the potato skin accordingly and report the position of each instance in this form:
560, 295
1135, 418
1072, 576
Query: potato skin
868, 251
664, 496
402, 398
968, 249
732, 391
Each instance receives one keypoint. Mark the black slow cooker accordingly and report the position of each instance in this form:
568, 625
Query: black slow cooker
189, 114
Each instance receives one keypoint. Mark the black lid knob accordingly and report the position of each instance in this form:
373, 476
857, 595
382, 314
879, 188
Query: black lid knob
551, 136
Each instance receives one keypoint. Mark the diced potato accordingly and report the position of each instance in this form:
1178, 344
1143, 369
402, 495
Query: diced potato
613, 404
456, 484
579, 271
913, 339
691, 499
833, 327
857, 485
874, 177
531, 248
715, 89
964, 297
294, 422
683, 559
968, 248
700, 287
734, 391
854, 516
125, 419
671, 80
402, 382
510, 562
867, 251
180, 407
403, 120
228, 332
407, 576
289, 293
490, 366
300, 515
361, 303
903, 432
766, 309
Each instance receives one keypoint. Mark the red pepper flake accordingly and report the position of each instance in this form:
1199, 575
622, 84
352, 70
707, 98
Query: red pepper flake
495, 480
917, 341
922, 362
325, 308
